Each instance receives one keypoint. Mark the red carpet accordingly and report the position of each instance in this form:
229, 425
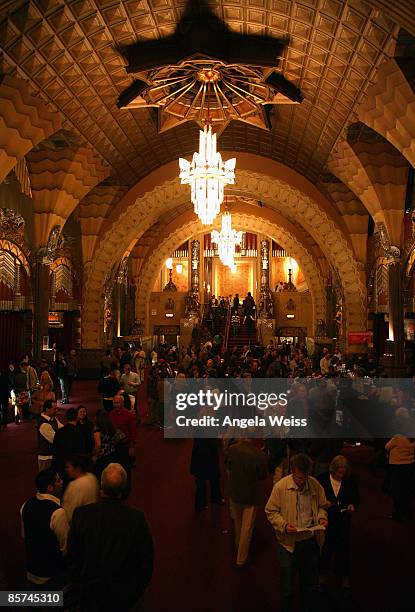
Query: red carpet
194, 568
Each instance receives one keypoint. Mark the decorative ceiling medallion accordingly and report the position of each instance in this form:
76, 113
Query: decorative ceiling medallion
199, 89
206, 73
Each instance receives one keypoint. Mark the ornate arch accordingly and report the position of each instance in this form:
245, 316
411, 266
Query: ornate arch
301, 203
175, 235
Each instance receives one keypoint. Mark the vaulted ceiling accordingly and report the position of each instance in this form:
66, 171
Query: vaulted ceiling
68, 52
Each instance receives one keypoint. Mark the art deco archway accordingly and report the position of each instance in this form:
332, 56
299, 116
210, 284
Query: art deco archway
278, 187
179, 232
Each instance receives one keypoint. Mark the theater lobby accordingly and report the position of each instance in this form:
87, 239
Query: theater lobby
195, 189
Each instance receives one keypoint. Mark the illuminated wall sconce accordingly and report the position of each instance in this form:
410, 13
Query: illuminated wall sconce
179, 268
169, 315
290, 316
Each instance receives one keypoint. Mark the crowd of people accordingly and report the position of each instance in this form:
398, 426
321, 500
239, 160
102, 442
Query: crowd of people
25, 386
80, 532
79, 535
243, 312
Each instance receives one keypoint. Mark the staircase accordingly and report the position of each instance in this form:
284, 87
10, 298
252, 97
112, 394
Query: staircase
219, 326
244, 337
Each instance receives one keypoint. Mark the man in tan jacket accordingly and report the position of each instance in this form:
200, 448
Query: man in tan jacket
296, 510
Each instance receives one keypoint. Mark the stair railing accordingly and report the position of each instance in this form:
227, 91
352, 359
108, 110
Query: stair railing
227, 327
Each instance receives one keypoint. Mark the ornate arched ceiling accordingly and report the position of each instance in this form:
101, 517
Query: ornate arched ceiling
181, 229
376, 172
150, 239
67, 51
300, 201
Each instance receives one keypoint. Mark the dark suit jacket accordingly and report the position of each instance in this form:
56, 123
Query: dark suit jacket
247, 466
339, 522
110, 554
348, 493
67, 443
205, 458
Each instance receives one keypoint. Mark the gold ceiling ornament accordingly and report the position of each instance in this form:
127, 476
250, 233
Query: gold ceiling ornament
204, 89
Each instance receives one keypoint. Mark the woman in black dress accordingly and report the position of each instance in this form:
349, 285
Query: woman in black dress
343, 497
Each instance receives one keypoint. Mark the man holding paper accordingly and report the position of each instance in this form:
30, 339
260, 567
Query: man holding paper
296, 510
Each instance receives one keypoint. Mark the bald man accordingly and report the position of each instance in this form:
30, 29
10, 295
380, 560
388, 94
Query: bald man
110, 548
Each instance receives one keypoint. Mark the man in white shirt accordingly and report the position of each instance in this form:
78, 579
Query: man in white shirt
48, 426
325, 362
45, 531
130, 381
83, 488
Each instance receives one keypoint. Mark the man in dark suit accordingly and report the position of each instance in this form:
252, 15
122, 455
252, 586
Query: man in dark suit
67, 443
110, 549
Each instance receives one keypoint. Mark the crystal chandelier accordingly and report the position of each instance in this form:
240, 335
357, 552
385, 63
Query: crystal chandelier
207, 175
227, 239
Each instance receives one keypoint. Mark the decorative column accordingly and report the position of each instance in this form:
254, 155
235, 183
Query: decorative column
264, 266
396, 342
41, 289
109, 319
265, 322
396, 324
207, 267
40, 304
16, 294
192, 302
195, 267
121, 298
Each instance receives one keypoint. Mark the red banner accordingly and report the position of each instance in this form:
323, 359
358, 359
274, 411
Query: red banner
359, 337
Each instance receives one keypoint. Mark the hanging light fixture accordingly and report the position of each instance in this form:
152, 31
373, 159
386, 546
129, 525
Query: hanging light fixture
207, 176
227, 239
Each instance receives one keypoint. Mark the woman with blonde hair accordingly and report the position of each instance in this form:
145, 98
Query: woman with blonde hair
43, 393
342, 496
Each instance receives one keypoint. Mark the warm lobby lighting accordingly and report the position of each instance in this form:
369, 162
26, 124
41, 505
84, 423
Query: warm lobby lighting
179, 268
227, 239
169, 263
207, 175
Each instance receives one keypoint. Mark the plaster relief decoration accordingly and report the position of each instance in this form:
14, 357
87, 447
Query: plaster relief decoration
204, 71
122, 274
191, 306
392, 253
108, 308
64, 289
11, 223
195, 272
321, 329
290, 307
14, 278
47, 254
137, 328
169, 308
266, 306
381, 289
